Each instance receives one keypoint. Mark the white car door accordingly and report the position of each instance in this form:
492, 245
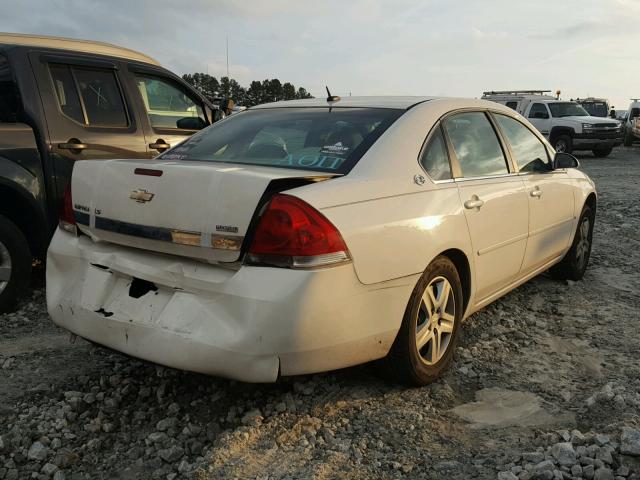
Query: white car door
540, 118
550, 192
493, 199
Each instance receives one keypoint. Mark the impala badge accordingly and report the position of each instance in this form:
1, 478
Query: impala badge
141, 196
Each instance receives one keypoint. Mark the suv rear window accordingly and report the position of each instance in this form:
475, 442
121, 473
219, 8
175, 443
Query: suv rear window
319, 139
596, 109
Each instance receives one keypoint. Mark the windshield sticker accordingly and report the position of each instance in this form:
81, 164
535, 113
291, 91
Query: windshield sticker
316, 161
335, 149
172, 156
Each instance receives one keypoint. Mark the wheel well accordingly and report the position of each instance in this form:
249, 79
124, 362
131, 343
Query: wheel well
557, 131
591, 201
18, 209
461, 263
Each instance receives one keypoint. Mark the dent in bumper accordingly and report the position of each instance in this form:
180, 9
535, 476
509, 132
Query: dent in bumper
244, 324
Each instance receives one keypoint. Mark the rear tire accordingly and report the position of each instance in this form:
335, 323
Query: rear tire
430, 328
602, 152
15, 264
563, 143
575, 262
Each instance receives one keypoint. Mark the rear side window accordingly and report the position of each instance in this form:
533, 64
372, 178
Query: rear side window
102, 98
512, 105
168, 106
529, 152
435, 159
476, 145
66, 92
8, 93
320, 138
89, 96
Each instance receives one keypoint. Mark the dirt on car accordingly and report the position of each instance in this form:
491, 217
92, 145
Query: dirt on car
545, 384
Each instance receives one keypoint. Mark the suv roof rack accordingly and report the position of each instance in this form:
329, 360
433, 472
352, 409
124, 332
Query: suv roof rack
516, 92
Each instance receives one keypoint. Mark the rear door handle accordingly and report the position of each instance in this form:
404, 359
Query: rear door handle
160, 145
475, 202
536, 192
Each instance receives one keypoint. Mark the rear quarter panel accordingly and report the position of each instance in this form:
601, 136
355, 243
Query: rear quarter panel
398, 236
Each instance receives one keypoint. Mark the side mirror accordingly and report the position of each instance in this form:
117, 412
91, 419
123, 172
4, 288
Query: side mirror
191, 123
565, 160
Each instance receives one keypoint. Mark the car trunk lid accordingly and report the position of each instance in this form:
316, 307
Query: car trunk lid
196, 209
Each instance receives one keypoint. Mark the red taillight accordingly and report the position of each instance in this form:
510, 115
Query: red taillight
67, 218
292, 233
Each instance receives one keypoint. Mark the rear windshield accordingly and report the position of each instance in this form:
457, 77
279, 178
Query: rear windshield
319, 139
596, 109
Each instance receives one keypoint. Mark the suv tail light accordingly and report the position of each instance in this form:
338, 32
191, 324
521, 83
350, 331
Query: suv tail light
293, 234
67, 219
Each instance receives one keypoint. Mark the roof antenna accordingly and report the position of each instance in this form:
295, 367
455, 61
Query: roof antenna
331, 98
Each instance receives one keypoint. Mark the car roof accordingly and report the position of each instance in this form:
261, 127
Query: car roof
85, 46
396, 102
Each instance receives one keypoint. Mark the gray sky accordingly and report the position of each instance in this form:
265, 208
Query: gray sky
369, 47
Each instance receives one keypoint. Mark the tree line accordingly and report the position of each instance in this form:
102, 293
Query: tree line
269, 90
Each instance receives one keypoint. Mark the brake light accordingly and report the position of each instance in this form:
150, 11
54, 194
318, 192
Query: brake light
67, 220
293, 234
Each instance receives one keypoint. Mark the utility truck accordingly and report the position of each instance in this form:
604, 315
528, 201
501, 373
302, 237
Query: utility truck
567, 125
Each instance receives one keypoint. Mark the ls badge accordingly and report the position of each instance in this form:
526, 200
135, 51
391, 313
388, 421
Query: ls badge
141, 195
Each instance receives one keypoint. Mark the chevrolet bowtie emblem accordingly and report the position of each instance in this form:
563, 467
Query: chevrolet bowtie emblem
141, 195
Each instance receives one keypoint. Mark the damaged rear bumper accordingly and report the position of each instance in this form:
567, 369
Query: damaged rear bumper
250, 324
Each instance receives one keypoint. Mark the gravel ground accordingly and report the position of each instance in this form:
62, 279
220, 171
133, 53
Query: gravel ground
546, 385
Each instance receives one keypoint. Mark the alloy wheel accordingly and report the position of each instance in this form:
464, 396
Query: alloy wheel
436, 318
5, 267
561, 146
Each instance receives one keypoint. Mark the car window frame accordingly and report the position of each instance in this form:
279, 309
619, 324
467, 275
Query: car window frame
456, 169
136, 70
72, 64
436, 127
504, 138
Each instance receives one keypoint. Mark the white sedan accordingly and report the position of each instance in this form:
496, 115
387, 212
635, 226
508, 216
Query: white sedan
311, 235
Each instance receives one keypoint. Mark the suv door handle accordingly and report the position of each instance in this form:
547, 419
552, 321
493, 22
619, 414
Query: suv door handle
536, 192
73, 145
160, 145
475, 202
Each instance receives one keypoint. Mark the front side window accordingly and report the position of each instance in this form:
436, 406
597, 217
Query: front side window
538, 110
95, 89
635, 112
434, 158
529, 152
168, 106
567, 109
320, 138
476, 145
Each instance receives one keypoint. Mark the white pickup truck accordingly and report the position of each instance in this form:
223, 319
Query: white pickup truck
567, 125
